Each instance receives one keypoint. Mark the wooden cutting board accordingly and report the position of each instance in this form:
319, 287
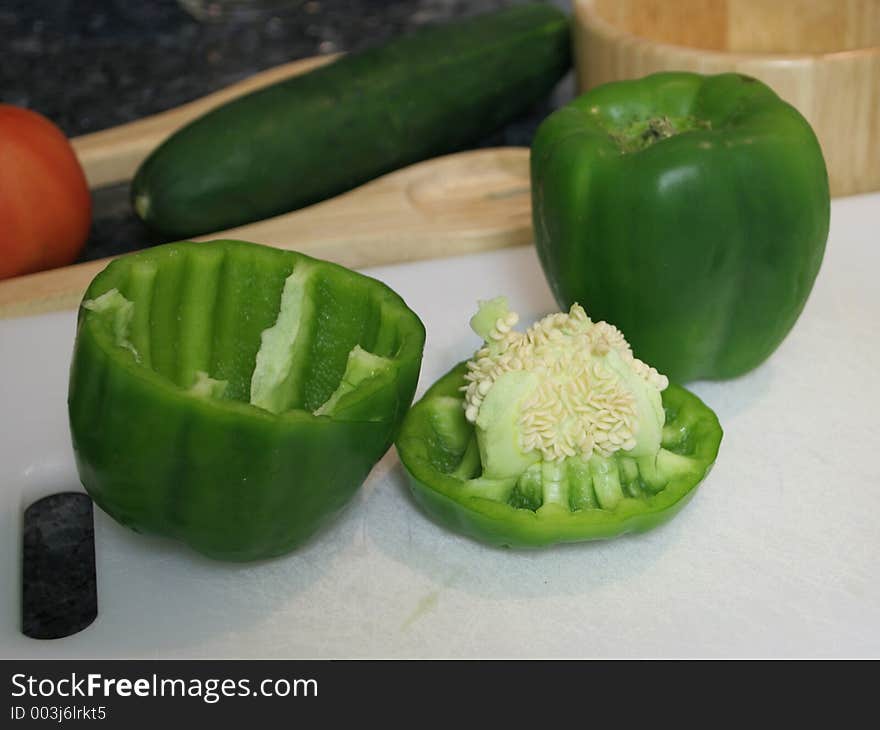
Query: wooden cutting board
457, 204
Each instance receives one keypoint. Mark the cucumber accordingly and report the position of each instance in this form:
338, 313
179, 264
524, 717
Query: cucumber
314, 136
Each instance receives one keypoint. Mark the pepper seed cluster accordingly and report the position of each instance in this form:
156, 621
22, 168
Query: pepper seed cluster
579, 405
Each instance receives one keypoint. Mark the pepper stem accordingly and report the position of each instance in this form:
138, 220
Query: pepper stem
643, 133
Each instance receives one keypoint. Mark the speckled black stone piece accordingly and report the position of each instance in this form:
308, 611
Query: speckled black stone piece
59, 587
93, 64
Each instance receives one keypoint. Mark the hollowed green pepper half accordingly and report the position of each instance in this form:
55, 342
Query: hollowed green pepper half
555, 435
235, 396
690, 211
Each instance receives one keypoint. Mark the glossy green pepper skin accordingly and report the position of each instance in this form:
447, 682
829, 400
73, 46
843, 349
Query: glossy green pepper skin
164, 454
435, 441
689, 211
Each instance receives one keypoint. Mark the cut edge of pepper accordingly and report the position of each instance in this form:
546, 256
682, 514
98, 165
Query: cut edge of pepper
364, 371
498, 522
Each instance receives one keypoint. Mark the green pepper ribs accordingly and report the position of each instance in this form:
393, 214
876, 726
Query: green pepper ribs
556, 434
235, 396
690, 211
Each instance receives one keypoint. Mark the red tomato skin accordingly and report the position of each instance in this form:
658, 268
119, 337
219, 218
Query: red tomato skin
45, 205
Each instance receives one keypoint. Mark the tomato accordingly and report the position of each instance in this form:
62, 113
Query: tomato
45, 206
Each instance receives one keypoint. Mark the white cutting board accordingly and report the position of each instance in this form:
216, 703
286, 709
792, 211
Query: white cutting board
775, 556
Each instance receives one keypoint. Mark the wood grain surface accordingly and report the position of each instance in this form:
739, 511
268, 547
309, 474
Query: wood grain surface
457, 204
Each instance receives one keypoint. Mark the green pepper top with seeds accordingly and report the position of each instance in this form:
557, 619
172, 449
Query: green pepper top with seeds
555, 434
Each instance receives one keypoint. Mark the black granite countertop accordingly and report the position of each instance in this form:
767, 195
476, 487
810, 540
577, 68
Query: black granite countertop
93, 64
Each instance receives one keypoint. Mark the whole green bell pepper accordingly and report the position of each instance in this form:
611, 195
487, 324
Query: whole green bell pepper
235, 396
690, 211
554, 435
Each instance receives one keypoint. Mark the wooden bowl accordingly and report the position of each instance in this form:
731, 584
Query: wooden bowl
822, 56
